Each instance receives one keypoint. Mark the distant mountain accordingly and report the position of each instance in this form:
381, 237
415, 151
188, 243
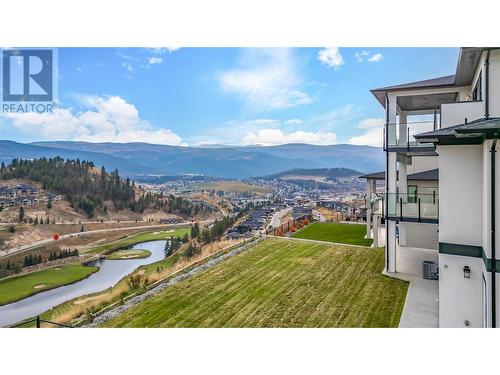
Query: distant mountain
318, 172
140, 160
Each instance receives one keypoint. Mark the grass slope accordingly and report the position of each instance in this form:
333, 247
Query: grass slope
19, 287
352, 234
280, 283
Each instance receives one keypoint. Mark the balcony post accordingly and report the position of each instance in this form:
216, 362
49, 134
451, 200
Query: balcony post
368, 208
403, 130
419, 217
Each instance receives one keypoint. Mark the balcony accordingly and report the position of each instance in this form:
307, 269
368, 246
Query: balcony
420, 207
400, 137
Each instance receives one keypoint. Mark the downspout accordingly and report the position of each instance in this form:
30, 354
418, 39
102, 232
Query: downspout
493, 237
487, 86
386, 181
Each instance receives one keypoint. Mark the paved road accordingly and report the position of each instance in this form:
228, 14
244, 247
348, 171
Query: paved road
36, 244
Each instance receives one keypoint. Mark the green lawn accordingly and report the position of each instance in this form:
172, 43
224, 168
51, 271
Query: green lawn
280, 283
351, 234
129, 254
129, 241
19, 287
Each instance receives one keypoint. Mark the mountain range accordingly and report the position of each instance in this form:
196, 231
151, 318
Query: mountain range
142, 160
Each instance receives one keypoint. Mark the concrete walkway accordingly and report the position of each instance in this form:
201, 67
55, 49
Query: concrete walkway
421, 308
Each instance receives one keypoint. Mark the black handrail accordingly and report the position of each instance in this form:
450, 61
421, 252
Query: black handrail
39, 322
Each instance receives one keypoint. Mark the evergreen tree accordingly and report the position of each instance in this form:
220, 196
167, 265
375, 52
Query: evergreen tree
21, 214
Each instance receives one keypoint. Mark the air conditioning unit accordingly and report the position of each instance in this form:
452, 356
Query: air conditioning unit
430, 270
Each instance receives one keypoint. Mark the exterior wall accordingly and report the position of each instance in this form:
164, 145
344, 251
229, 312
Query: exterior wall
460, 299
422, 163
494, 83
460, 194
423, 236
455, 113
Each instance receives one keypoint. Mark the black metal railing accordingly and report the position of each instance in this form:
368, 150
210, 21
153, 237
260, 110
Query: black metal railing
38, 323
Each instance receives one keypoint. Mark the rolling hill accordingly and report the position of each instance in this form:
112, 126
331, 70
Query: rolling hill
141, 160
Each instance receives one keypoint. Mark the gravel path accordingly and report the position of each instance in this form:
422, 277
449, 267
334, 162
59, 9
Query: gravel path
110, 314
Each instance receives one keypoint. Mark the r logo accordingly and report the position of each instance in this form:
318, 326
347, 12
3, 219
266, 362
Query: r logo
27, 75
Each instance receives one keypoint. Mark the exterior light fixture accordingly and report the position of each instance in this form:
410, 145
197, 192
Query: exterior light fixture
466, 272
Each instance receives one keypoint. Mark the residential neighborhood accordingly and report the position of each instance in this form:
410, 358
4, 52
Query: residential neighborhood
24, 195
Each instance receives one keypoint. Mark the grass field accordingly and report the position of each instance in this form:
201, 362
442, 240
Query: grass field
234, 186
19, 287
129, 241
280, 283
351, 234
129, 254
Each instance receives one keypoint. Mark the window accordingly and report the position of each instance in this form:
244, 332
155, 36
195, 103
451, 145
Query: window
477, 92
412, 193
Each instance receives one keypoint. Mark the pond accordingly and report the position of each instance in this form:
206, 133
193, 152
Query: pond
110, 272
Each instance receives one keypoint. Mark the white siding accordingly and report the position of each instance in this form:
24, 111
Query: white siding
424, 236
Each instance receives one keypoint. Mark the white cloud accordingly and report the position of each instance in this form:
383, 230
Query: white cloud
376, 57
128, 66
294, 121
373, 133
331, 57
270, 137
368, 56
360, 56
162, 50
155, 60
106, 119
267, 81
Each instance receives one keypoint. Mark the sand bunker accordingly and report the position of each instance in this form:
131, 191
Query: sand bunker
39, 286
88, 299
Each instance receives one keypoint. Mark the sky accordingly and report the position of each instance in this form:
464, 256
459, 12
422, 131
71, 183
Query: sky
230, 96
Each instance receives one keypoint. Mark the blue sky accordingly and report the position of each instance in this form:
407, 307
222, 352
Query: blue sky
197, 96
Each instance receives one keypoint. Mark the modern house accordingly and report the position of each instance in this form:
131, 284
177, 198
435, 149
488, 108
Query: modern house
442, 185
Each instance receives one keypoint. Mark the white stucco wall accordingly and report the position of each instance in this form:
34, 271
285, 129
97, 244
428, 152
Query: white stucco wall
455, 113
422, 163
460, 299
460, 194
495, 83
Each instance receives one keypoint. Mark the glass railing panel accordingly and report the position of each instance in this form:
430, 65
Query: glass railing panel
403, 135
413, 206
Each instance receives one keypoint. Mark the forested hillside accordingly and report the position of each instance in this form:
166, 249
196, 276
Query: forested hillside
88, 188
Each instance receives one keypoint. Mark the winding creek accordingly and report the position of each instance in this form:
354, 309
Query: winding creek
109, 273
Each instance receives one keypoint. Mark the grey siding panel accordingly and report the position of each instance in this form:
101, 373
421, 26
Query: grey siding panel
420, 235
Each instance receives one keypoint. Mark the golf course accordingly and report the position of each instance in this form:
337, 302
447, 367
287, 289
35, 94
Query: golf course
15, 288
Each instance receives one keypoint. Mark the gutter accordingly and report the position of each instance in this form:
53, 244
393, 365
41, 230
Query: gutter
493, 237
487, 86
386, 182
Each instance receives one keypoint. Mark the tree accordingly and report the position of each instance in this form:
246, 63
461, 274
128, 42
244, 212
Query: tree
21, 214
12, 229
185, 239
195, 230
36, 221
49, 205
